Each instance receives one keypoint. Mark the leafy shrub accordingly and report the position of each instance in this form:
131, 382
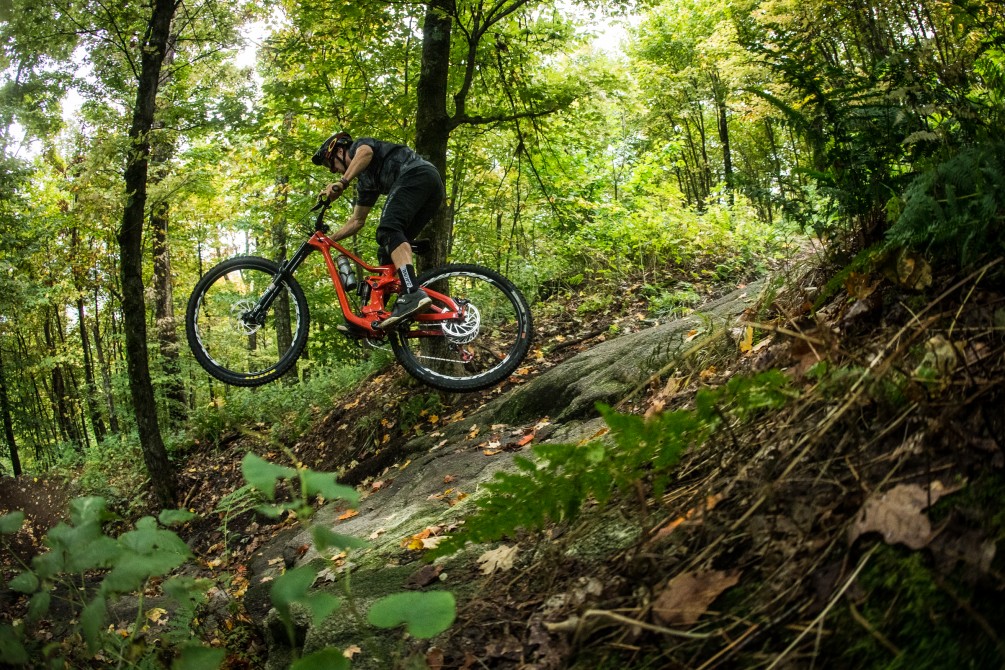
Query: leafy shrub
955, 210
80, 551
647, 236
275, 406
672, 303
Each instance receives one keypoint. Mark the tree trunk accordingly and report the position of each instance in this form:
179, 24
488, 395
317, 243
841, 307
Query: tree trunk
284, 328
106, 373
130, 239
432, 125
58, 397
723, 123
8, 424
164, 318
97, 422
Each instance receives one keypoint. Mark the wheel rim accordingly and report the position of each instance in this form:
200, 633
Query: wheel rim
489, 339
229, 341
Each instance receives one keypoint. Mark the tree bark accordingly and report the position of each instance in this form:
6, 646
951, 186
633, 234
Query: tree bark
97, 422
130, 240
164, 318
8, 424
106, 373
432, 124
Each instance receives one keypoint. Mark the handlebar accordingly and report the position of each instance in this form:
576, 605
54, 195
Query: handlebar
323, 204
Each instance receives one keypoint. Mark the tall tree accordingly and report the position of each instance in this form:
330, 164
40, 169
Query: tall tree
130, 237
8, 423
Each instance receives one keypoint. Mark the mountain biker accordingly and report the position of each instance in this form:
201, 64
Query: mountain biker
414, 190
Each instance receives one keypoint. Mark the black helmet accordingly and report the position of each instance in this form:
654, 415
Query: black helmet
324, 153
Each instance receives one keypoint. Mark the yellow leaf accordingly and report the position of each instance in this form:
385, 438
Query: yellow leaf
747, 341
155, 614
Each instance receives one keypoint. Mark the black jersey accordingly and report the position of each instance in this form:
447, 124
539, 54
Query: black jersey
388, 162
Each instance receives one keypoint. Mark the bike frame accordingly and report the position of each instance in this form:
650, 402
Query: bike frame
382, 279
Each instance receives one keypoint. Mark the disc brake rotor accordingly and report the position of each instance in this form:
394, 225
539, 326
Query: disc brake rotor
240, 310
462, 332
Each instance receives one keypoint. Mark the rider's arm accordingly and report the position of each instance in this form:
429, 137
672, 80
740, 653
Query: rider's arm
358, 163
354, 224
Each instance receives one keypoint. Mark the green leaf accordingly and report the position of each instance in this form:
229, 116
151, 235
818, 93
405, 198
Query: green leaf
169, 517
48, 564
38, 606
92, 621
88, 509
11, 523
11, 649
199, 658
132, 570
325, 484
273, 511
187, 589
148, 537
424, 614
325, 538
26, 582
291, 586
263, 475
100, 553
321, 604
326, 659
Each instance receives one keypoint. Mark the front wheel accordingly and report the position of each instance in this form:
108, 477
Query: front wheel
229, 339
477, 352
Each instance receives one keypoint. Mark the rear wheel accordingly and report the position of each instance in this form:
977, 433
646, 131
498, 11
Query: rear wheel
480, 350
230, 344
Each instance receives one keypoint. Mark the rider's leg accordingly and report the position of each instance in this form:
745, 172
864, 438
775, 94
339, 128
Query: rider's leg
410, 205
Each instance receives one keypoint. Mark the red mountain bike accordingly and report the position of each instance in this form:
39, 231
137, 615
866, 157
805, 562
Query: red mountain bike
247, 318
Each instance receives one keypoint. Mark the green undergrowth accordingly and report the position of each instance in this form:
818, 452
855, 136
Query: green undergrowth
554, 485
71, 587
282, 411
908, 614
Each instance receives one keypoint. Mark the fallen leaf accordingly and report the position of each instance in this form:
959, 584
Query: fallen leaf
424, 576
377, 533
155, 614
747, 341
499, 559
351, 651
688, 595
473, 433
526, 439
347, 515
435, 659
897, 515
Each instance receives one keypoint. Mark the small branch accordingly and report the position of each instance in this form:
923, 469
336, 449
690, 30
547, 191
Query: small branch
826, 610
576, 623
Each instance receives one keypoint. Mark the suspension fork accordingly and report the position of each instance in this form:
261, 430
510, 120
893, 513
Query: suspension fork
256, 315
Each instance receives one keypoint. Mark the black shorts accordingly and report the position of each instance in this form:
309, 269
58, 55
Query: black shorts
414, 198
